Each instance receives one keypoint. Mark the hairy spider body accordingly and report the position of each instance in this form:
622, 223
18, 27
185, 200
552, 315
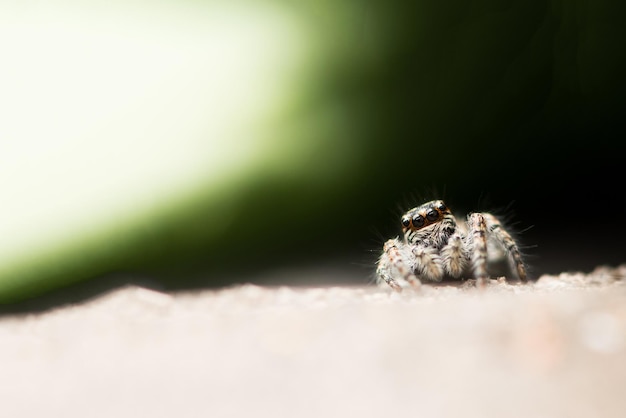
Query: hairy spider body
436, 246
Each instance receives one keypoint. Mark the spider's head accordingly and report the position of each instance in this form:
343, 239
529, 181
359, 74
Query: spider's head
425, 218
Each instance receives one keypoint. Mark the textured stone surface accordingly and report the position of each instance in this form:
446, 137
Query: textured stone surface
554, 348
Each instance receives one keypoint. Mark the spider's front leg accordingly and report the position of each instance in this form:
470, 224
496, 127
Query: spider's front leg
477, 237
499, 234
484, 226
394, 263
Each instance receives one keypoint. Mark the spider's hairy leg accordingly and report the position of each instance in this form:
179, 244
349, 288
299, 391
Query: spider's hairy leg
454, 256
393, 263
478, 246
427, 263
503, 237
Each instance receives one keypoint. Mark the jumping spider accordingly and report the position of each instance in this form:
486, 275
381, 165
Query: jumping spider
436, 246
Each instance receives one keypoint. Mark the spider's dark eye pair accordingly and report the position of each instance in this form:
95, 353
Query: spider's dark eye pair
417, 221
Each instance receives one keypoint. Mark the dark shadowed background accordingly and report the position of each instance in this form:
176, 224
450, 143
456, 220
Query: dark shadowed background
511, 106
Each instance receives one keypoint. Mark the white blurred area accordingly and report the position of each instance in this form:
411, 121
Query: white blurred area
111, 110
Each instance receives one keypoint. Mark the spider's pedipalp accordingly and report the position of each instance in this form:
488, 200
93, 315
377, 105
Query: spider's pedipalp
428, 263
454, 255
393, 263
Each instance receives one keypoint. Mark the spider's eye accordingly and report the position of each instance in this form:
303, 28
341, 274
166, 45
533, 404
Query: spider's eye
432, 215
442, 207
406, 222
418, 221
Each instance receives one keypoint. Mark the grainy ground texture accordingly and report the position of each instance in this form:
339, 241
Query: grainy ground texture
554, 348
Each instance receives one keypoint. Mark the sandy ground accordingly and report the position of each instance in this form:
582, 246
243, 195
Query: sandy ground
554, 348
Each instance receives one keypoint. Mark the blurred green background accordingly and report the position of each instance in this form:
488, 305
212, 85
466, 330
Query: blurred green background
187, 144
